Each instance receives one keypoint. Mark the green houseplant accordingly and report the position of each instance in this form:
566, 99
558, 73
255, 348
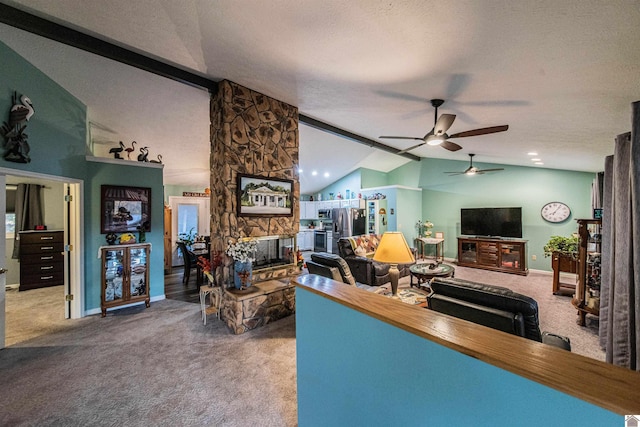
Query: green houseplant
564, 245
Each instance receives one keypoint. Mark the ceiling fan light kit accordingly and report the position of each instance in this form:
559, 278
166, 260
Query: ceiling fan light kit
438, 135
472, 170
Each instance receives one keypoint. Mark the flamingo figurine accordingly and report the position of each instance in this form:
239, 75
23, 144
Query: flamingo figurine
129, 150
117, 150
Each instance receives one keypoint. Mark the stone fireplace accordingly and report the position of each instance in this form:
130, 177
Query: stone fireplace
254, 134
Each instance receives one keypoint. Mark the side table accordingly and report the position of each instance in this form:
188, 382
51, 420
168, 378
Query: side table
421, 242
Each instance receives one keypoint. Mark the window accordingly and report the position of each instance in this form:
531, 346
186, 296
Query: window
10, 217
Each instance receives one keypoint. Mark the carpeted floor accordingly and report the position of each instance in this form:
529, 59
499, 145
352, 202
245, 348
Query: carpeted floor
162, 366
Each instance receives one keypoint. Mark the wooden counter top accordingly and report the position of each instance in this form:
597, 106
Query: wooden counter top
610, 387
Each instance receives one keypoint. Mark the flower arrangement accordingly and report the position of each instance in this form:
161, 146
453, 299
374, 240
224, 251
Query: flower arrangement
207, 265
424, 228
299, 259
242, 250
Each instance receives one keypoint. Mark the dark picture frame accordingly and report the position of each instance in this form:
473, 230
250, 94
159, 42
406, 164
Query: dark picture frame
124, 209
264, 196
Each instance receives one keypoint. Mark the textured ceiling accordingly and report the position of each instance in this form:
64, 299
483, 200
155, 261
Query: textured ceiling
562, 75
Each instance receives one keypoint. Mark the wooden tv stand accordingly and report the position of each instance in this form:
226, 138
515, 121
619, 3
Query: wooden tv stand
506, 255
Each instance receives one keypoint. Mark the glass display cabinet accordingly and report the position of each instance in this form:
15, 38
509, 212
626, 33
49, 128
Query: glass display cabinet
587, 296
125, 275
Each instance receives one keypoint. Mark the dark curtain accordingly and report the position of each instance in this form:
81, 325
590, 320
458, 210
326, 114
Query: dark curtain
619, 308
29, 212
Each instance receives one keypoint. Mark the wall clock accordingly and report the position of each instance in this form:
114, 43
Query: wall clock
555, 212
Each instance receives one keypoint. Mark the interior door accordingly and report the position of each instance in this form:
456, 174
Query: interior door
3, 281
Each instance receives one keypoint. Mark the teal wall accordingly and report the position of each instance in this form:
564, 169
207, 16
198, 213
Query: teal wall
370, 178
444, 195
530, 188
349, 182
372, 373
58, 129
58, 140
132, 175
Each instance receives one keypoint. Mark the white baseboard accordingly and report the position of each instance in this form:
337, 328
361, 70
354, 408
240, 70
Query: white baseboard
99, 311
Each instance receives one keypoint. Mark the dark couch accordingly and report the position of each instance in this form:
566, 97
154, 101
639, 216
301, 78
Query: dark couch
366, 270
334, 267
493, 306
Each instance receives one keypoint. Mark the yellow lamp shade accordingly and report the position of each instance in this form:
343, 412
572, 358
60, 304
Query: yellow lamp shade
393, 249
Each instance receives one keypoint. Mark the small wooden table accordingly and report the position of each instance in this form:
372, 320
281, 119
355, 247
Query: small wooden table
424, 272
421, 242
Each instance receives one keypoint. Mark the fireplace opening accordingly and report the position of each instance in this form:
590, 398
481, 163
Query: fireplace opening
274, 251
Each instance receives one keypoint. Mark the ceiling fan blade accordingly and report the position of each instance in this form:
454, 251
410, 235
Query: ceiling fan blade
401, 137
455, 173
443, 124
482, 131
451, 146
411, 148
489, 170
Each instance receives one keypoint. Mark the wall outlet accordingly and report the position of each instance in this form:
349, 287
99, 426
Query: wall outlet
534, 257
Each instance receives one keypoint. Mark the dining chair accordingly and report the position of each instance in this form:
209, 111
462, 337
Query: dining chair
190, 262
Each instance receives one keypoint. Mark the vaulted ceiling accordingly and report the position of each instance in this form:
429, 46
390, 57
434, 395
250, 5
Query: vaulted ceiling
562, 75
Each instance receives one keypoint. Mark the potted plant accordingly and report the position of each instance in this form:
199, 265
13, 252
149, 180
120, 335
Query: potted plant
564, 258
564, 245
188, 238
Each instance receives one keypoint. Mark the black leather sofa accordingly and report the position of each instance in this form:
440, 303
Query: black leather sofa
332, 266
493, 306
366, 270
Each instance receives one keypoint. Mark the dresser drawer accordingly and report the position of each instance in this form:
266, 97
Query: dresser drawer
41, 258
41, 280
41, 237
41, 248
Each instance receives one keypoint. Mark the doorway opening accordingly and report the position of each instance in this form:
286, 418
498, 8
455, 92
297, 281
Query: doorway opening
62, 201
189, 216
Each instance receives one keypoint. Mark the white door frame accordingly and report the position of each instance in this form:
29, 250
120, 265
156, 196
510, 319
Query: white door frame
74, 260
204, 217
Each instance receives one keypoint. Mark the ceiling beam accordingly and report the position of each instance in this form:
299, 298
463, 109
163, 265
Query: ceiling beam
60, 33
352, 136
51, 30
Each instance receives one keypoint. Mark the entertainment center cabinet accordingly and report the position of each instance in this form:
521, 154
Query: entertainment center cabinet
506, 255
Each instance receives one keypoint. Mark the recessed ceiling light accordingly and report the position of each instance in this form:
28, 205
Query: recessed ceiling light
539, 163
535, 160
326, 174
532, 153
314, 173
300, 170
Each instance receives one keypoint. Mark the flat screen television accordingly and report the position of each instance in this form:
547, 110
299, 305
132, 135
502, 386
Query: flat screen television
494, 222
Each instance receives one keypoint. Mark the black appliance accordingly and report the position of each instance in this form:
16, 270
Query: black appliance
324, 213
496, 222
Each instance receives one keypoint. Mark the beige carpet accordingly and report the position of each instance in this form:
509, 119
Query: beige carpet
162, 366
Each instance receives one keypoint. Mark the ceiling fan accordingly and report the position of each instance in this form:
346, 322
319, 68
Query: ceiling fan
438, 135
472, 170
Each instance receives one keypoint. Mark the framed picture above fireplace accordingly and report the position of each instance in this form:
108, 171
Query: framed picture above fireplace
262, 196
125, 209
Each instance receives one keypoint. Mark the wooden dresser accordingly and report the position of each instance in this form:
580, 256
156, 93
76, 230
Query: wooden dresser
41, 259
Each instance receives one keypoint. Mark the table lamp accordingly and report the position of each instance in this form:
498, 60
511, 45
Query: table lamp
393, 249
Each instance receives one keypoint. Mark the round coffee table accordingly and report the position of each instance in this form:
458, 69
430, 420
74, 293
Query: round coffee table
425, 271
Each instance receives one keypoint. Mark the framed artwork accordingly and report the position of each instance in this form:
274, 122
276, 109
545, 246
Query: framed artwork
125, 209
597, 213
261, 196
